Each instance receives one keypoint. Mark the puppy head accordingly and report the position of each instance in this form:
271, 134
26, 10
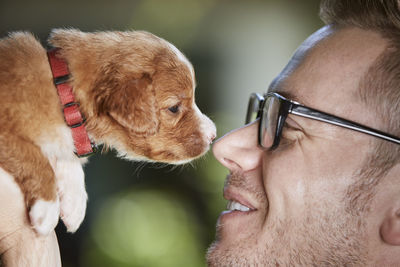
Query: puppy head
144, 97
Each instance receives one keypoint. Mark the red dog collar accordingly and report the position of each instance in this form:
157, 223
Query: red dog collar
73, 117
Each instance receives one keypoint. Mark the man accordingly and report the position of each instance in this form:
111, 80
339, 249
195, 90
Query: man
20, 246
307, 188
318, 194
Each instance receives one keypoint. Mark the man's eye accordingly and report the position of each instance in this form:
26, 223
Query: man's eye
174, 109
287, 127
291, 132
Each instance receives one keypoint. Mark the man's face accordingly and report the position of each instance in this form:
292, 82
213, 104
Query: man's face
298, 194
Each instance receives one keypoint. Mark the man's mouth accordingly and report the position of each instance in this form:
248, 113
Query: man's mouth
236, 210
237, 203
233, 205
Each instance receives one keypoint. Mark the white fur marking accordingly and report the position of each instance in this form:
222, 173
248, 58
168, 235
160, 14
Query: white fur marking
73, 196
206, 125
57, 144
58, 147
44, 216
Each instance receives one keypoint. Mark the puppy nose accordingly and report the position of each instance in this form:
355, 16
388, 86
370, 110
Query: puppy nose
211, 137
212, 131
207, 127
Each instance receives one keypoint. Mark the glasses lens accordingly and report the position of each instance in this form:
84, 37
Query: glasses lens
269, 121
253, 108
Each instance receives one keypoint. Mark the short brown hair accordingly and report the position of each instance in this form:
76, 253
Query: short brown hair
379, 89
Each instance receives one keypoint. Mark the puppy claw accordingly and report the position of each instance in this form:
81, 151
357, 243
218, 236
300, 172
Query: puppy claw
44, 216
73, 208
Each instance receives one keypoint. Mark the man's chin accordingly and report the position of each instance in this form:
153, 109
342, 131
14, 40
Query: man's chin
233, 238
212, 250
217, 256
220, 254
227, 250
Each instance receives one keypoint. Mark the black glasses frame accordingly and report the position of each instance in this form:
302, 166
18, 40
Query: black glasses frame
287, 107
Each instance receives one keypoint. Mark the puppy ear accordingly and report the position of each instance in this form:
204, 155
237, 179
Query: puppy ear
390, 228
131, 103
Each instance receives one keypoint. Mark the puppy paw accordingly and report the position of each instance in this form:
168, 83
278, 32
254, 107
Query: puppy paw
71, 190
73, 208
44, 216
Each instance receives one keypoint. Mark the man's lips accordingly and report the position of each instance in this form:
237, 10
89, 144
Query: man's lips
237, 202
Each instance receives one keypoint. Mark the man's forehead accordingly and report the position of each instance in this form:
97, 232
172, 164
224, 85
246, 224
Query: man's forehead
279, 84
328, 66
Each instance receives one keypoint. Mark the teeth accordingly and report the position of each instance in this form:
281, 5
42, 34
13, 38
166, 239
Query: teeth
233, 205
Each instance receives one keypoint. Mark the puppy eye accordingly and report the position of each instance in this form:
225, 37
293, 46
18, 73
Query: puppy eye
174, 109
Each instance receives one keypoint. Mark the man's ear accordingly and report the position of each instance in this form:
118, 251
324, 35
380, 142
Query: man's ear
131, 102
390, 228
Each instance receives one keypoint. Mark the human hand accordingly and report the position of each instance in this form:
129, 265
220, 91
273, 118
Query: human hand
20, 245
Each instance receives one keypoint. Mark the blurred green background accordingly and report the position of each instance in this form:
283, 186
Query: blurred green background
154, 215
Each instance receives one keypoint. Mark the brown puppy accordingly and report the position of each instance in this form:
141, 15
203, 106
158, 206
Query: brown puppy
136, 91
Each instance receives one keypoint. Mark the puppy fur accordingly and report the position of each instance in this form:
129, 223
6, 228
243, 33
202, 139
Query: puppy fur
136, 91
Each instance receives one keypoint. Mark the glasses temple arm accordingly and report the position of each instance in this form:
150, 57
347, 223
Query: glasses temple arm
310, 113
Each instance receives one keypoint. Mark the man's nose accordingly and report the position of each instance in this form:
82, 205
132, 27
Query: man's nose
239, 150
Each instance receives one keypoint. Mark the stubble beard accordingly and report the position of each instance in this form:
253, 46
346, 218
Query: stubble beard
324, 236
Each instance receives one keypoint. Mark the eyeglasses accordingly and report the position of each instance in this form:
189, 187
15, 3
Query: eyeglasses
273, 109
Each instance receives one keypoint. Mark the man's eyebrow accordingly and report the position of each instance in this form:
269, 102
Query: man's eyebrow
292, 96
287, 94
279, 86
